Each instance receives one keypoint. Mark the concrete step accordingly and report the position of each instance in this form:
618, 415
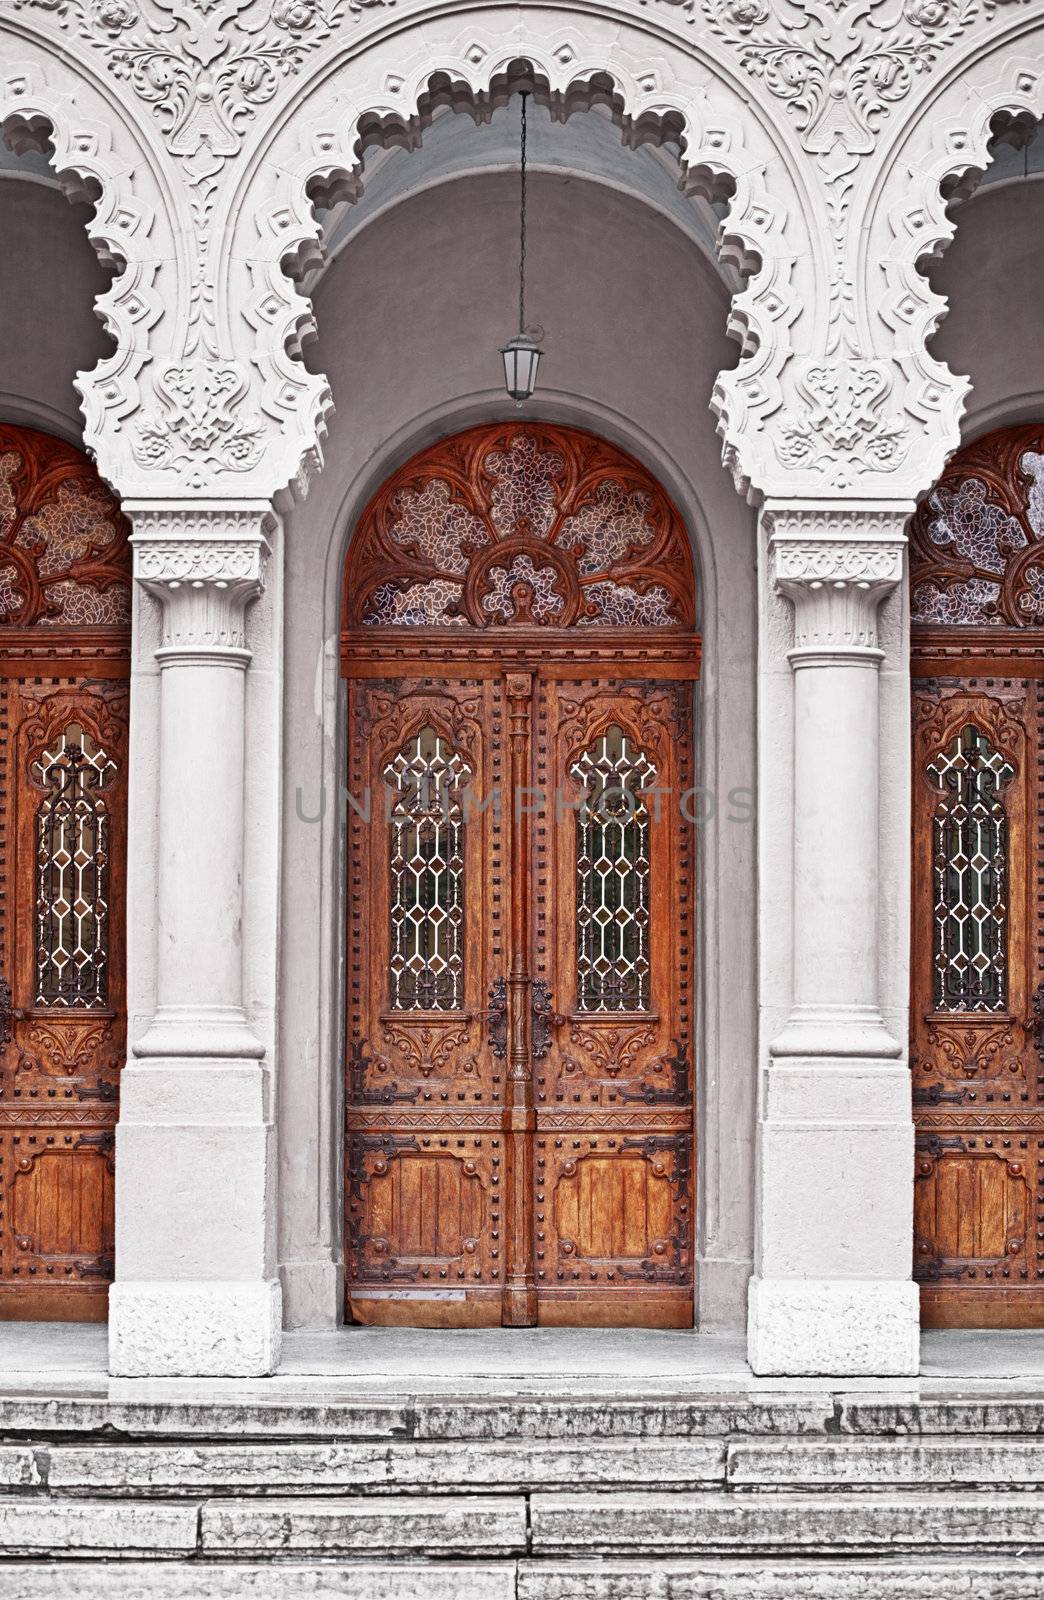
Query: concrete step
648, 1579
287, 1468
785, 1523
414, 1525
213, 1413
872, 1463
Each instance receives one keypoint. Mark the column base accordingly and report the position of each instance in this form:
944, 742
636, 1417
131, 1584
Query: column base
194, 1329
833, 1327
216, 1032
835, 1031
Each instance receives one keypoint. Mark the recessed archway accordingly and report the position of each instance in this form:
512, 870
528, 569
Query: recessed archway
520, 647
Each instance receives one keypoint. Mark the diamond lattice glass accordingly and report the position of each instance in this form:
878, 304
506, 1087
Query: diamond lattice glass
970, 874
426, 779
72, 872
612, 875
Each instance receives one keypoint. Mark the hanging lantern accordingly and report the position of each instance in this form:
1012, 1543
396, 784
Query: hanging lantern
522, 353
521, 359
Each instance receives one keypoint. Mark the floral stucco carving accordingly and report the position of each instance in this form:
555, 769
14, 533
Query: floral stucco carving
840, 68
248, 101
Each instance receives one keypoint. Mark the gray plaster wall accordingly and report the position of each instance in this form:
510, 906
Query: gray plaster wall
410, 315
994, 330
49, 280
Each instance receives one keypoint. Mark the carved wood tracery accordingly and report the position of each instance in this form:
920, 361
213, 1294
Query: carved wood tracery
977, 540
520, 525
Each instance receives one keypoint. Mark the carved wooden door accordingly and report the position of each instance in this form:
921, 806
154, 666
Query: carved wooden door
613, 942
977, 1047
64, 608
520, 1141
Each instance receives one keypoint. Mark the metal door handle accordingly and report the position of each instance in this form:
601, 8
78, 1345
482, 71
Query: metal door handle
545, 1017
496, 1017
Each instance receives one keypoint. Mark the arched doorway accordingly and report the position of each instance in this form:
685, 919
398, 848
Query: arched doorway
520, 647
977, 982
64, 650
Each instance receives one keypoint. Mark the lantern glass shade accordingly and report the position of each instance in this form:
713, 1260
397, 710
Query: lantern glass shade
521, 359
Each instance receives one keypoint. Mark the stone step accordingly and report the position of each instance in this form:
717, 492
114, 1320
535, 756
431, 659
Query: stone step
38, 1526
215, 1414
781, 1522
177, 1468
873, 1463
245, 1581
182, 1469
205, 1417
985, 1579
1006, 1578
415, 1524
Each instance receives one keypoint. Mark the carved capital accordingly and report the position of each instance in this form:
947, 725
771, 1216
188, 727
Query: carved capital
204, 564
835, 566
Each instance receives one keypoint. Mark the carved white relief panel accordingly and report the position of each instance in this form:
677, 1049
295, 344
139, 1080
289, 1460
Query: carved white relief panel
47, 105
945, 147
383, 92
202, 125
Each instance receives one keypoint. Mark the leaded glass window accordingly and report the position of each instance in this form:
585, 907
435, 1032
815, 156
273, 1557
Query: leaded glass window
612, 875
426, 780
73, 849
970, 874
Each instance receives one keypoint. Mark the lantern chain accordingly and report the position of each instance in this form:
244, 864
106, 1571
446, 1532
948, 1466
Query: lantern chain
522, 227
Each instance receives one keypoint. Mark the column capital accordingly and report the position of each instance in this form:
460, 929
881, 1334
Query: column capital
204, 562
835, 564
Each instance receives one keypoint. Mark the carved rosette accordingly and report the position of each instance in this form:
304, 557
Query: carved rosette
835, 568
204, 566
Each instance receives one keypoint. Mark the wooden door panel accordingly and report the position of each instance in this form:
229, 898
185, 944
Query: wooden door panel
424, 1213
613, 1072
426, 1039
977, 950
61, 1200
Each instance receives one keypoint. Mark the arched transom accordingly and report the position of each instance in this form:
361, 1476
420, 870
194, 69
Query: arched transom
64, 557
977, 541
520, 524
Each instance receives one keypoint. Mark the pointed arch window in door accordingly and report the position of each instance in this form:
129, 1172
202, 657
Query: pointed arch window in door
72, 862
426, 780
970, 874
612, 874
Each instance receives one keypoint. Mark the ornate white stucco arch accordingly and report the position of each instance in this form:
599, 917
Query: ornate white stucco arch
938, 151
384, 87
50, 99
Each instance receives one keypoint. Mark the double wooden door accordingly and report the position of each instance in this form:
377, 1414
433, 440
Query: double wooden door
521, 902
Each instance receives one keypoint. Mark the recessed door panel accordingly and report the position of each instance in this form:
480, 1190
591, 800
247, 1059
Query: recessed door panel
613, 941
977, 956
63, 817
429, 905
520, 1141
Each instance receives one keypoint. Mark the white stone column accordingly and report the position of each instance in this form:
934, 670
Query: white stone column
832, 1291
196, 1288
